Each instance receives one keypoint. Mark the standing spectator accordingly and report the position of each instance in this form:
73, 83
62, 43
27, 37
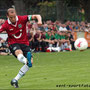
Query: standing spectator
37, 39
43, 42
31, 40
45, 26
72, 40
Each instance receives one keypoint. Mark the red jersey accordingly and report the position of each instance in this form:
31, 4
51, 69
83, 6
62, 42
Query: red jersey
16, 33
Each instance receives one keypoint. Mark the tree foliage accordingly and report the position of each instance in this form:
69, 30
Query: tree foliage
81, 4
24, 6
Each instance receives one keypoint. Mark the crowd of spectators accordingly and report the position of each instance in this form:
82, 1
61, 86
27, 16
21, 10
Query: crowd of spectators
52, 36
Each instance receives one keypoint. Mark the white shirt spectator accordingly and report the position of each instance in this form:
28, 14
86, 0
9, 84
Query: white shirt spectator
62, 29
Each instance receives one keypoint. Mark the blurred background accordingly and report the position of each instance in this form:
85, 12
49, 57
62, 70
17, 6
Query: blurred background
63, 22
63, 10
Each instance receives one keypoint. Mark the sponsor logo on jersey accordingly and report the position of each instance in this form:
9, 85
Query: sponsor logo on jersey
20, 26
17, 37
11, 29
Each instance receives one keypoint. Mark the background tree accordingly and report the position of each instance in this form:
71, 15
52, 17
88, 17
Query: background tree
60, 10
20, 7
47, 10
85, 4
80, 4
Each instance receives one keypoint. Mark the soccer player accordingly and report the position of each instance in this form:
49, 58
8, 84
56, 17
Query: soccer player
15, 26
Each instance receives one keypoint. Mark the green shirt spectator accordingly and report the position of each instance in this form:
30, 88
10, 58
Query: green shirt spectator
62, 37
47, 36
57, 36
57, 27
52, 37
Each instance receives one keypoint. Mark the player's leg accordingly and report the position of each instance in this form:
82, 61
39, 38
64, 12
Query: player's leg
23, 59
17, 52
20, 56
28, 56
23, 54
21, 73
27, 53
26, 61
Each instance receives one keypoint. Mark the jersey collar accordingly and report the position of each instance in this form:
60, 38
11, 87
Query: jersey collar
9, 22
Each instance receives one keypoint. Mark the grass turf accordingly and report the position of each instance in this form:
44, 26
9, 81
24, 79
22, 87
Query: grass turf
48, 71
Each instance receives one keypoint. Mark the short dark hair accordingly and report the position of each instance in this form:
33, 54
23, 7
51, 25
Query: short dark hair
12, 10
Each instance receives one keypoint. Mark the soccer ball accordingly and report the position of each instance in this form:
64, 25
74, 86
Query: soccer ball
81, 44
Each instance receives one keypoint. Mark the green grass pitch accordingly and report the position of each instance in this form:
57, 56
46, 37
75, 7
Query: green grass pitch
63, 70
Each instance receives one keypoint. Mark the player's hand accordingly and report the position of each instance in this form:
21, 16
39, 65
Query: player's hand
39, 23
39, 19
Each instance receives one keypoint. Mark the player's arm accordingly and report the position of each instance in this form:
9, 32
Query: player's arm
38, 17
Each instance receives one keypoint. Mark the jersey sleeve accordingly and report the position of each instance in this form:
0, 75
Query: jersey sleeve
2, 28
27, 18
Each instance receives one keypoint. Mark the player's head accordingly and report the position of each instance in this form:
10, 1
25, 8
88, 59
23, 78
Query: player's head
11, 14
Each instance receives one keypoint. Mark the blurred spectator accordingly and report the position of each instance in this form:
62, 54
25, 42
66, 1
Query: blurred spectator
4, 47
45, 26
63, 27
1, 21
72, 40
37, 40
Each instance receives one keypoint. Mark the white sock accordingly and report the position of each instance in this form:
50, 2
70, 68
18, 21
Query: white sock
22, 59
56, 49
70, 47
22, 72
62, 47
57, 44
65, 45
